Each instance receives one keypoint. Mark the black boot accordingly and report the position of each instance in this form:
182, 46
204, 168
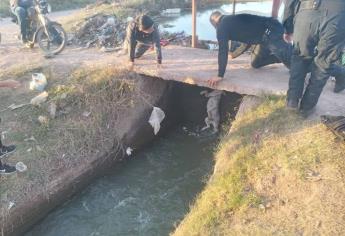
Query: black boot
292, 104
306, 113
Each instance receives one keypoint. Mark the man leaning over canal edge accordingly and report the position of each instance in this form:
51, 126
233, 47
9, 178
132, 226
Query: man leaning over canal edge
142, 34
249, 29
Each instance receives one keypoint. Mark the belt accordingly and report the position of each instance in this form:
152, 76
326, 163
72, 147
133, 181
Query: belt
310, 5
331, 5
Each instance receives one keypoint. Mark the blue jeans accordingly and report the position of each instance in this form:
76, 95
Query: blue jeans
23, 23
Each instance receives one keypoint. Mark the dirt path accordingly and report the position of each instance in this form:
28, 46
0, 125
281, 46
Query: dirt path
14, 56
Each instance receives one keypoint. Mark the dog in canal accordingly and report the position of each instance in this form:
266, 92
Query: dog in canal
213, 115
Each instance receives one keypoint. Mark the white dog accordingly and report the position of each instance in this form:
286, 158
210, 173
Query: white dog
213, 115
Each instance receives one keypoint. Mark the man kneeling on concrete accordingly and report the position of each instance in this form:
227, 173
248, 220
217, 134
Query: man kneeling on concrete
142, 34
249, 29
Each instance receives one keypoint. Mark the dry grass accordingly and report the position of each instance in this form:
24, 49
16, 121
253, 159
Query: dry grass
89, 103
275, 174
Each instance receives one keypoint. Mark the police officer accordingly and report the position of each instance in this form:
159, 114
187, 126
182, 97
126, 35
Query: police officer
288, 22
319, 24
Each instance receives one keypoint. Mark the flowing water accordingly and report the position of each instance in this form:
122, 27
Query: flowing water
205, 30
149, 194
146, 195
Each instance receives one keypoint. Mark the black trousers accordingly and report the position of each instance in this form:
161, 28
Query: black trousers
323, 29
261, 56
273, 47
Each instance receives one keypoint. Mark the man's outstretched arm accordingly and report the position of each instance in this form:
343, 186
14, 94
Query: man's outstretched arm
223, 54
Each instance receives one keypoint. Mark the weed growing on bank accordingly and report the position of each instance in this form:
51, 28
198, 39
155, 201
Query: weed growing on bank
88, 106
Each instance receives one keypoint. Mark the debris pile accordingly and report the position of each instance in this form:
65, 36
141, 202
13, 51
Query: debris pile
182, 39
103, 31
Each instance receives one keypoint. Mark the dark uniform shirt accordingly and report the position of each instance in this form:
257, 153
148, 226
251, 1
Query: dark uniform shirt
135, 35
244, 28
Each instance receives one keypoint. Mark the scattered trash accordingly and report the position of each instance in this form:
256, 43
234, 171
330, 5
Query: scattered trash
104, 49
39, 148
29, 150
86, 114
52, 110
165, 26
3, 135
184, 40
103, 31
43, 120
14, 106
129, 151
11, 205
31, 139
21, 167
157, 116
41, 98
39, 82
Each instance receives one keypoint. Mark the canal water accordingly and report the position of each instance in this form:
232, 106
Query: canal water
205, 30
146, 195
149, 194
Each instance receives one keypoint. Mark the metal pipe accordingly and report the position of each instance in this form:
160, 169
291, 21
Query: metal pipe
194, 13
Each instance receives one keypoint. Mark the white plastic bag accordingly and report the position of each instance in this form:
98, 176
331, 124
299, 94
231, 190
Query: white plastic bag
157, 116
39, 82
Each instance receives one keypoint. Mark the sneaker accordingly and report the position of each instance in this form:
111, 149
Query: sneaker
6, 150
7, 169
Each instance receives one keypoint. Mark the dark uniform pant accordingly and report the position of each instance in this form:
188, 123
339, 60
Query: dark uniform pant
273, 48
319, 38
261, 56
